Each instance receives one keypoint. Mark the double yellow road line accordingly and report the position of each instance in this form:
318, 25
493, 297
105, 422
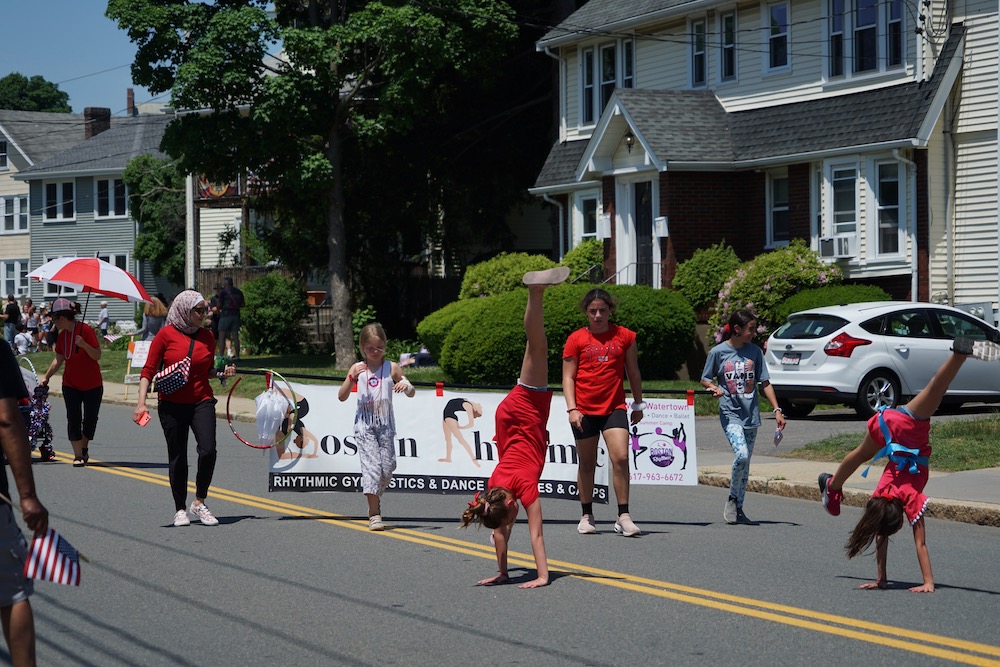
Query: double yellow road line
904, 639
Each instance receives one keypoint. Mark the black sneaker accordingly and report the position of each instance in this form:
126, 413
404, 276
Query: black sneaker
743, 520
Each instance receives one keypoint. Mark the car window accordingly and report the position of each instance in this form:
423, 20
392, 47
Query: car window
874, 325
956, 324
909, 323
810, 326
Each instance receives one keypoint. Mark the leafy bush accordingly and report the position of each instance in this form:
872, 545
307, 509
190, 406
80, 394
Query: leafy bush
361, 317
485, 344
700, 279
768, 280
502, 273
583, 259
433, 329
830, 295
273, 313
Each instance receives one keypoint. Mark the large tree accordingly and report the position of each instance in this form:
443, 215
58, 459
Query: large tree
157, 202
279, 94
19, 93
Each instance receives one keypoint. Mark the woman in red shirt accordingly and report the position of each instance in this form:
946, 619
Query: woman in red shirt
192, 407
82, 385
595, 360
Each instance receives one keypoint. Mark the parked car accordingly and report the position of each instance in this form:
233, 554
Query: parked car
875, 354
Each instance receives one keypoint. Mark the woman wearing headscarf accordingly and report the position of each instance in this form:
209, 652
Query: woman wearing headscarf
191, 407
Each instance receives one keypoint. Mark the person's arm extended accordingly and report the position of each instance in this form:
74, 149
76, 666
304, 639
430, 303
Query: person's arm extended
569, 390
779, 414
923, 557
57, 361
534, 512
501, 537
14, 439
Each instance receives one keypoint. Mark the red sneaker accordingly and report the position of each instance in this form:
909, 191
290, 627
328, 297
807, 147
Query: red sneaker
831, 499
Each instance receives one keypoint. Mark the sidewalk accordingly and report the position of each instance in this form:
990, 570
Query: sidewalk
971, 496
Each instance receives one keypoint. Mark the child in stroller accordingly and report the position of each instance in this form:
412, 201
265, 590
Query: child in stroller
35, 412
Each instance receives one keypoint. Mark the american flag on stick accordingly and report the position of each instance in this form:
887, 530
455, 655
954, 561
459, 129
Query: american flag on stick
52, 558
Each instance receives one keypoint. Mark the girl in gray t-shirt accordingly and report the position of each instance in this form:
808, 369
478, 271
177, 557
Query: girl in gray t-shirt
732, 371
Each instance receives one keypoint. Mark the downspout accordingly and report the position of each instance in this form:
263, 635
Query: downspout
914, 281
562, 235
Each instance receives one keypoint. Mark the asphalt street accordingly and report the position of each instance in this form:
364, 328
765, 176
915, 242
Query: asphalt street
297, 578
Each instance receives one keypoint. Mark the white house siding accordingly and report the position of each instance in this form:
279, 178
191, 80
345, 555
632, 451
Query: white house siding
978, 108
976, 219
212, 222
938, 177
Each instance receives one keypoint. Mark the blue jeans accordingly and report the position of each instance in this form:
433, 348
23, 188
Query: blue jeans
9, 331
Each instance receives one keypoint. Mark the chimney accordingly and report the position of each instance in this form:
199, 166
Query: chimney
95, 121
130, 103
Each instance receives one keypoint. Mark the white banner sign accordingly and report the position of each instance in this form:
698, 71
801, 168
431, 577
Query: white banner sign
443, 448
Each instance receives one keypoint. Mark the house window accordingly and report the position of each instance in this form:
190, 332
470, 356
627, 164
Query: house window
836, 38
3, 158
777, 208
588, 86
866, 35
118, 259
14, 213
602, 70
14, 276
110, 198
844, 183
727, 47
894, 33
59, 203
888, 206
868, 32
698, 54
588, 218
777, 39
52, 290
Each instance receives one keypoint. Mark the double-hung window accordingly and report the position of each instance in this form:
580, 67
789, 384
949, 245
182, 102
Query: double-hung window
14, 276
777, 207
59, 203
699, 55
844, 189
727, 46
888, 205
14, 215
602, 69
110, 198
864, 36
777, 36
3, 158
52, 290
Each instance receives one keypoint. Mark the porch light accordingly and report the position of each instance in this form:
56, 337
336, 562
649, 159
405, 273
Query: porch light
629, 140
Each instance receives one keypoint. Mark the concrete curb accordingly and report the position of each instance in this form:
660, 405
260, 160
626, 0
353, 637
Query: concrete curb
983, 514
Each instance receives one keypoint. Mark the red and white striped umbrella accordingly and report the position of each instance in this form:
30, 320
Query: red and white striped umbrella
90, 274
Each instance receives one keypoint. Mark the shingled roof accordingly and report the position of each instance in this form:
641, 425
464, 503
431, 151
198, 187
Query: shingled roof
109, 151
691, 127
39, 135
599, 17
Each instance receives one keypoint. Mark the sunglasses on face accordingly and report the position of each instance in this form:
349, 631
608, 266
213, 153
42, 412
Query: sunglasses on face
200, 310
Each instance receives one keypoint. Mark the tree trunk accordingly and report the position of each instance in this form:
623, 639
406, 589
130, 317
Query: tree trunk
340, 294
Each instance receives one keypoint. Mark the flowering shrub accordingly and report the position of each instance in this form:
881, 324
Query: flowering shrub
766, 281
700, 278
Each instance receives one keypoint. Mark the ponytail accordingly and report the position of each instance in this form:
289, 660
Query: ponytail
489, 509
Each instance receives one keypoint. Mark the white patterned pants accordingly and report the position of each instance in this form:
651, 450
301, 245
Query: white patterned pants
741, 440
377, 450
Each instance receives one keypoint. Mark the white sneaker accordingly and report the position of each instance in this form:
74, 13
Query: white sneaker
587, 525
626, 527
203, 514
181, 518
375, 522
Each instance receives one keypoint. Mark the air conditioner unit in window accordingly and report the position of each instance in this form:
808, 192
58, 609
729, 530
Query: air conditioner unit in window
837, 247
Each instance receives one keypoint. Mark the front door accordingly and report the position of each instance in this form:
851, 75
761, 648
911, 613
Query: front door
643, 198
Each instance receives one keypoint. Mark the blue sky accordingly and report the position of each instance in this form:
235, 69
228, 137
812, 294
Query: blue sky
71, 43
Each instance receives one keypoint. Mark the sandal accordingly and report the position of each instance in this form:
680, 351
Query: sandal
78, 462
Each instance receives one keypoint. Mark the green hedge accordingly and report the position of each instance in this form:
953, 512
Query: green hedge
701, 277
484, 339
585, 261
272, 315
433, 329
830, 295
502, 273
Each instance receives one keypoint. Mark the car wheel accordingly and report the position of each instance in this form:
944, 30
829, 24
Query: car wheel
795, 410
880, 388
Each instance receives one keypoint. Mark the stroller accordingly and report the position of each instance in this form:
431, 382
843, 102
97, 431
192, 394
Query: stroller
35, 412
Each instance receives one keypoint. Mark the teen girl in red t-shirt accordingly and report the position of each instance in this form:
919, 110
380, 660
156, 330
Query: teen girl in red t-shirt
522, 441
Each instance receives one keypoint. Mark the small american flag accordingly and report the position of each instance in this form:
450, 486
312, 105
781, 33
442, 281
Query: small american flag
52, 558
113, 337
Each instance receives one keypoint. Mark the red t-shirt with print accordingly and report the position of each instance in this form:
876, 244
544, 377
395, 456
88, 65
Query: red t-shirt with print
80, 372
170, 346
600, 368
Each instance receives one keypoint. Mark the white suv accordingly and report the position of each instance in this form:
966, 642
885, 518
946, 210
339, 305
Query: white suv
870, 355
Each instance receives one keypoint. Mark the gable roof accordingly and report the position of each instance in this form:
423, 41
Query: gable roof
108, 152
38, 135
604, 17
691, 129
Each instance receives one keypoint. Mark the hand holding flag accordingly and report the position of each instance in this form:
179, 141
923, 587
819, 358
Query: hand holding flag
52, 558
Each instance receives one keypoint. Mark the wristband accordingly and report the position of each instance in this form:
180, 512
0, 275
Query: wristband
779, 410
570, 410
639, 406
350, 378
